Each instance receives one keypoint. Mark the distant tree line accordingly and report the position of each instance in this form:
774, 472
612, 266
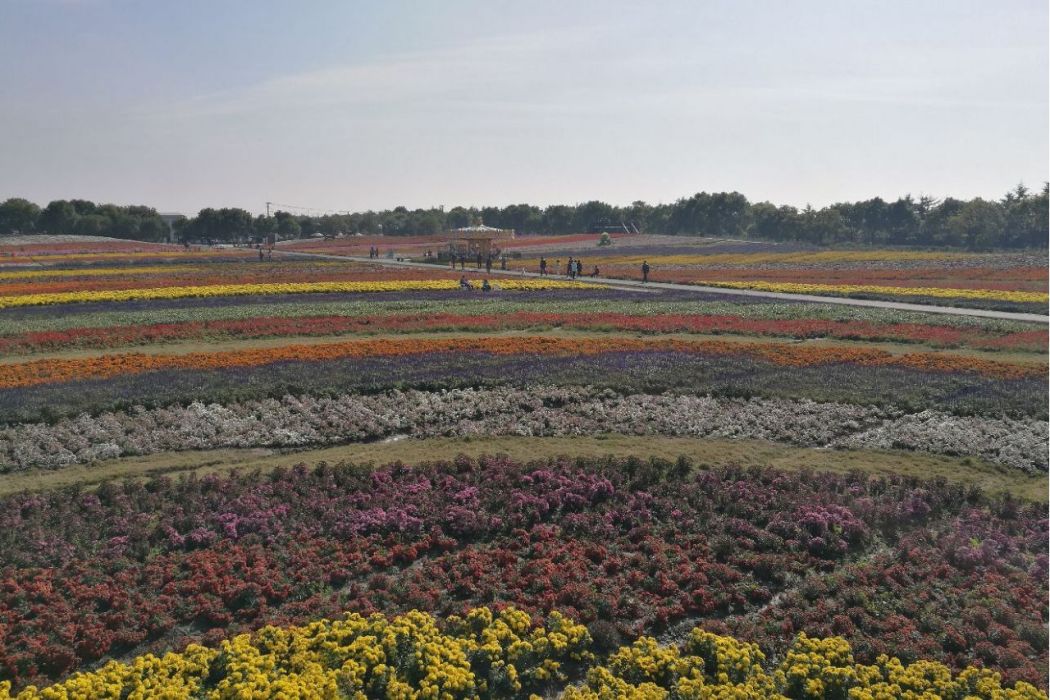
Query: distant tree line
79, 216
1018, 220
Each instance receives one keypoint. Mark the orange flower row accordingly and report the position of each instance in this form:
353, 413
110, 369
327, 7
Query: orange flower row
106, 366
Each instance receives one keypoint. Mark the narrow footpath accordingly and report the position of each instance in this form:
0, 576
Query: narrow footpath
637, 284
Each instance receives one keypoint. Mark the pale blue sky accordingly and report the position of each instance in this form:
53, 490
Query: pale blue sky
341, 105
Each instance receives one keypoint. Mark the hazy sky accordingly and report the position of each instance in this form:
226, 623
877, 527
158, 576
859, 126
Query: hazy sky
183, 104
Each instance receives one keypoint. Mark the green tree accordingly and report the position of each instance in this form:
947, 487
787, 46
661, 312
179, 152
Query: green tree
558, 218
263, 226
287, 225
459, 217
18, 215
153, 228
58, 217
977, 224
83, 206
591, 214
91, 225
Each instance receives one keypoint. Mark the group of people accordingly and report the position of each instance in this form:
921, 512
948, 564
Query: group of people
268, 255
464, 283
373, 252
482, 261
573, 268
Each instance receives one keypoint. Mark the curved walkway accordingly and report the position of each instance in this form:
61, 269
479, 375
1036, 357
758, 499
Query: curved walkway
636, 284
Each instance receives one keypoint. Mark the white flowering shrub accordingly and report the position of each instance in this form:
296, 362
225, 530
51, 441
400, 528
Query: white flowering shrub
297, 421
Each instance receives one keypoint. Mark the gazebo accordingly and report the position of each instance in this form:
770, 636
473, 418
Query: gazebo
472, 241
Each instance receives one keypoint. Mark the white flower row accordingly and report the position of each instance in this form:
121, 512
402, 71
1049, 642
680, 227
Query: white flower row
540, 411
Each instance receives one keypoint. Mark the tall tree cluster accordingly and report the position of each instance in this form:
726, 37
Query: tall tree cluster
81, 217
1017, 220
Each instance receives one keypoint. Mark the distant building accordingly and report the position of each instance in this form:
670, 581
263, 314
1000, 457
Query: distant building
472, 241
170, 219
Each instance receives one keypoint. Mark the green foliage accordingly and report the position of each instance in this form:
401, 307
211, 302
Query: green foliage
1018, 220
18, 216
83, 218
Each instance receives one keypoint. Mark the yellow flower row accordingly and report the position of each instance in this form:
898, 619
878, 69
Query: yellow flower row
711, 666
503, 655
939, 292
223, 290
407, 657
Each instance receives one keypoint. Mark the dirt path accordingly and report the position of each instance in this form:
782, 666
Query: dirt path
635, 285
703, 452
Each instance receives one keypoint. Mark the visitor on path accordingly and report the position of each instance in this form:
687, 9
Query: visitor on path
479, 261
645, 271
557, 266
485, 286
462, 262
488, 265
543, 266
260, 255
570, 269
595, 273
579, 268
452, 261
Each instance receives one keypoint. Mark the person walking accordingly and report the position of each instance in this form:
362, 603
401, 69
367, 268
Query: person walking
543, 266
570, 268
579, 268
645, 271
488, 265
462, 262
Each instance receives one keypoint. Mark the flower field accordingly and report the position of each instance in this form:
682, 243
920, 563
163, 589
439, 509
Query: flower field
624, 547
1007, 281
501, 655
556, 575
